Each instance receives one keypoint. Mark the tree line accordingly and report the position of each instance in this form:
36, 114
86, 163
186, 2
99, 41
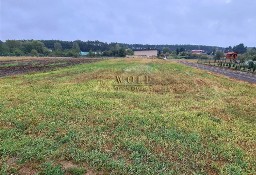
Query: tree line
62, 48
97, 48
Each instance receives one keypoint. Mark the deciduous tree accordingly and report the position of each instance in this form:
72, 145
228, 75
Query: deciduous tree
240, 48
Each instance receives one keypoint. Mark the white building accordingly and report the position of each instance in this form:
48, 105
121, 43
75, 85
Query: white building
146, 53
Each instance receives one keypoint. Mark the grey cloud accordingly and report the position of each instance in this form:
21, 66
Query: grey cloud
209, 22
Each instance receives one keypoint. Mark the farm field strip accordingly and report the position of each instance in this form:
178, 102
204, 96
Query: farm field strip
28, 65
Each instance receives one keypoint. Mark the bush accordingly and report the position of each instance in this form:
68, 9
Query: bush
218, 55
34, 52
18, 52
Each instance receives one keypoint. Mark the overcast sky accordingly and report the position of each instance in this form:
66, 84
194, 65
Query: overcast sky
206, 22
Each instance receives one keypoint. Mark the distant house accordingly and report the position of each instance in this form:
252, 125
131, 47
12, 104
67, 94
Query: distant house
87, 53
84, 53
198, 52
146, 53
231, 55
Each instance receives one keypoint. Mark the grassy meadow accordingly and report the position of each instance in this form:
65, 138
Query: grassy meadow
73, 121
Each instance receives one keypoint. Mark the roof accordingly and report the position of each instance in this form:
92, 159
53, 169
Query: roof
231, 53
197, 50
146, 50
84, 53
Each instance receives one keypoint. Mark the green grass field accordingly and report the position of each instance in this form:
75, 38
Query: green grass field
73, 121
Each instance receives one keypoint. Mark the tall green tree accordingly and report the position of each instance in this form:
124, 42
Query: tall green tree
18, 52
4, 49
57, 46
27, 47
240, 48
13, 44
38, 46
166, 50
34, 52
121, 52
76, 47
129, 52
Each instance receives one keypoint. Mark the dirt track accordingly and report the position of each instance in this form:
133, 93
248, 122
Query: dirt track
22, 66
244, 76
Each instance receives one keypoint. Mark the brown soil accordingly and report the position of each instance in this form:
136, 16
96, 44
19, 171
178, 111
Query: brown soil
22, 66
